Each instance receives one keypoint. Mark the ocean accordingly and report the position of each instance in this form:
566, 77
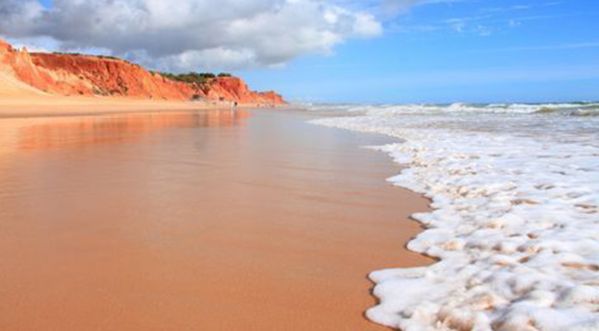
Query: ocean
515, 223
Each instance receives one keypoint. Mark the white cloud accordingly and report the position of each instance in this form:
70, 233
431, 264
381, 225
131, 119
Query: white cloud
192, 34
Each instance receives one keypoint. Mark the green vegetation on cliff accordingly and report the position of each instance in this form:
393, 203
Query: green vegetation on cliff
192, 77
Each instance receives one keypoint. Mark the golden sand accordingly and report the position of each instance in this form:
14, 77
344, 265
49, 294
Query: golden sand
210, 220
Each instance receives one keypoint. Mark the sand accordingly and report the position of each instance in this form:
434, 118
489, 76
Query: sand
203, 220
14, 89
23, 101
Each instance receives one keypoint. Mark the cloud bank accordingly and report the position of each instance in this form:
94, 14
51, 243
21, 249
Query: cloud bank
192, 34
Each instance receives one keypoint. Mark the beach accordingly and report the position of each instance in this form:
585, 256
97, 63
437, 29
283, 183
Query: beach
194, 219
514, 190
423, 165
44, 105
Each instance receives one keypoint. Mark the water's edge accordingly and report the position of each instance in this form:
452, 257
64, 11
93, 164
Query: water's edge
513, 224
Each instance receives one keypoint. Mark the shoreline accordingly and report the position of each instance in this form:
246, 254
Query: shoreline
494, 215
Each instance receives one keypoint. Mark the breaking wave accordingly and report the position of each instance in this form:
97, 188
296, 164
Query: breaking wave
574, 109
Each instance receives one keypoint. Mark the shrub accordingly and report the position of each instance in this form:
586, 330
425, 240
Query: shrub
191, 78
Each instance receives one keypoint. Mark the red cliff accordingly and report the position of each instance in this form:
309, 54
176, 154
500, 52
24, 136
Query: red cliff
75, 74
233, 88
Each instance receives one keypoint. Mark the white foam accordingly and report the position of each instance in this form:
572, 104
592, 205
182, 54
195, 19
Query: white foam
515, 224
584, 109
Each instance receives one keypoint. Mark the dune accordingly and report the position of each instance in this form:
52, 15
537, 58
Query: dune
11, 87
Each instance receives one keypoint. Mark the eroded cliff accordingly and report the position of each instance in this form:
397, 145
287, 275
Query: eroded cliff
76, 74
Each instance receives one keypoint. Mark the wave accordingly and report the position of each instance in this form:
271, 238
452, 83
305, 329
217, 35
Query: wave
587, 111
567, 109
515, 221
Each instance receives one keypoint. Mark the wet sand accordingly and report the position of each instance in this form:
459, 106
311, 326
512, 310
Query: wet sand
207, 220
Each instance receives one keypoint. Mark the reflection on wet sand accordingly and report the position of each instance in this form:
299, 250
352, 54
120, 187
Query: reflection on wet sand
84, 130
224, 223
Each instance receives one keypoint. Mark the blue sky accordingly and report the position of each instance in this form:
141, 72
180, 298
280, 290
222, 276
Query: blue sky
471, 51
451, 51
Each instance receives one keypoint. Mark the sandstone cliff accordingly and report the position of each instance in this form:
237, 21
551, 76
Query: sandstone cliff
75, 74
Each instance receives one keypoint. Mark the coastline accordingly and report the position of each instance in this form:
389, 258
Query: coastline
274, 224
494, 214
301, 165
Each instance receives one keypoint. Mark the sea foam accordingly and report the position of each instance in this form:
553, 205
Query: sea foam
515, 221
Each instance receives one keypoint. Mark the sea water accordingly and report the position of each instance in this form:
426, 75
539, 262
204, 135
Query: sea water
515, 220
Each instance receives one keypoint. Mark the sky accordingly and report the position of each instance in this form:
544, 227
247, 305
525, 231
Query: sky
369, 51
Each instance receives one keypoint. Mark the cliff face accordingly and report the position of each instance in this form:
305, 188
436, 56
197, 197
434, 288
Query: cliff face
71, 74
16, 66
91, 75
233, 88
